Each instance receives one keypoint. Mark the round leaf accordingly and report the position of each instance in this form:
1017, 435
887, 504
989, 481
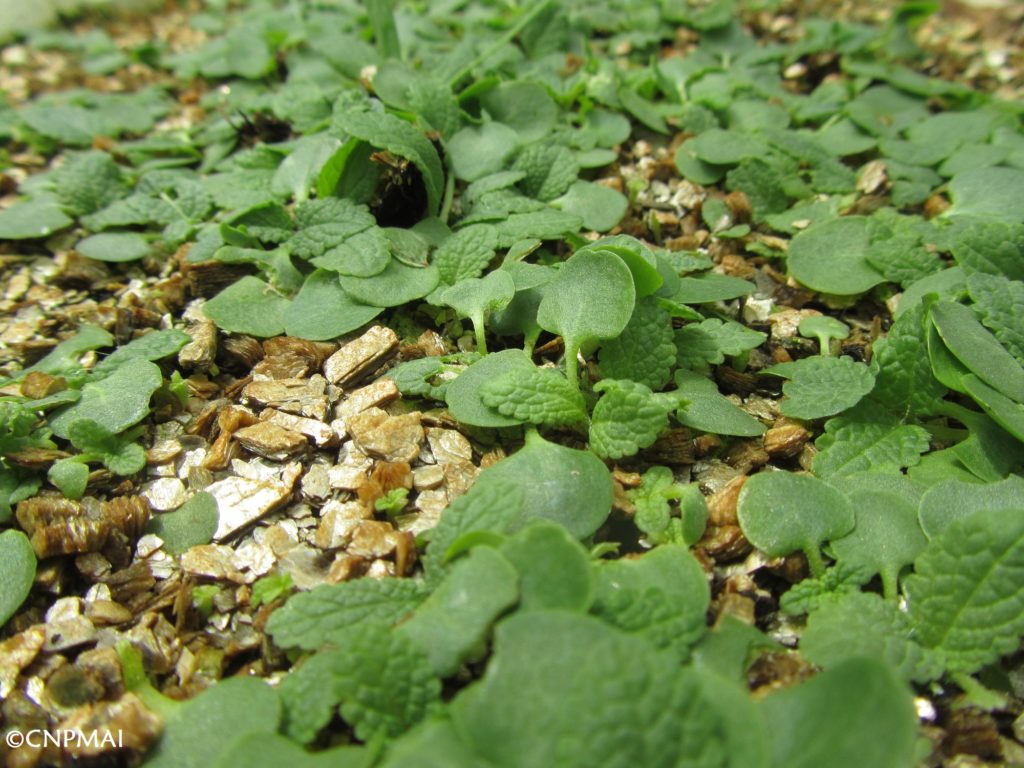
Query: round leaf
17, 571
323, 309
463, 394
832, 257
114, 246
781, 512
398, 284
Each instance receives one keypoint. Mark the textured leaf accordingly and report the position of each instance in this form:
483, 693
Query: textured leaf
904, 381
89, 181
555, 571
627, 418
496, 506
711, 340
955, 499
965, 596
464, 395
466, 253
193, 523
364, 254
400, 138
867, 438
540, 396
991, 247
822, 386
381, 680
600, 207
662, 596
644, 351
580, 672
398, 284
1000, 304
155, 345
544, 224
550, 170
326, 614
653, 514
862, 624
114, 247
326, 223
451, 625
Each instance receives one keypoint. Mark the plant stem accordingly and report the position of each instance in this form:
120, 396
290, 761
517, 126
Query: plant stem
571, 372
501, 42
814, 561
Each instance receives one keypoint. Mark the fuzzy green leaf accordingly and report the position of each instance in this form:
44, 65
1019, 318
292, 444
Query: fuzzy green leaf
627, 418
711, 340
114, 403
964, 594
248, 306
706, 409
867, 438
17, 571
192, 524
644, 351
538, 396
822, 386
1000, 304
832, 257
466, 253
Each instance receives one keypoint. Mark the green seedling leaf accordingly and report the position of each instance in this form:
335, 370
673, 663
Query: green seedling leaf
524, 106
590, 278
392, 502
364, 254
120, 455
451, 625
808, 595
963, 595
600, 208
711, 287
978, 349
886, 537
904, 380
540, 396
627, 418
464, 394
193, 734
550, 170
323, 310
520, 316
856, 713
89, 181
466, 253
822, 386
192, 524
576, 668
329, 613
653, 514
429, 376
641, 260
434, 744
64, 357
710, 411
709, 341
299, 171
991, 247
644, 351
478, 151
381, 682
571, 487
155, 345
325, 223
861, 624
495, 508
824, 329
1005, 412
31, 220
832, 257
116, 402
554, 569
957, 500
987, 192
781, 512
17, 572
397, 284
70, 476
662, 596
270, 588
729, 649
477, 297
266, 750
867, 438
15, 485
114, 247
248, 306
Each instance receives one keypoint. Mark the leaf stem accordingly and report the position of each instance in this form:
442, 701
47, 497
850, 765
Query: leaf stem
501, 42
571, 367
814, 561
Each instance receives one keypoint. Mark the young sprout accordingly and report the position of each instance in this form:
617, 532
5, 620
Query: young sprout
824, 329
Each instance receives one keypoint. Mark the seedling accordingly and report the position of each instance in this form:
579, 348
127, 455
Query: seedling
824, 329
